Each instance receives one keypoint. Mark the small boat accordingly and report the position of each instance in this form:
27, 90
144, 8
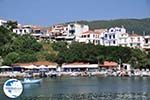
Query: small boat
31, 81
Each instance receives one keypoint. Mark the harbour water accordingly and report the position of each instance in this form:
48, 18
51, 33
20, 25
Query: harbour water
86, 88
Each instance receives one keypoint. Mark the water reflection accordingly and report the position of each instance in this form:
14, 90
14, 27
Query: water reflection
126, 88
31, 86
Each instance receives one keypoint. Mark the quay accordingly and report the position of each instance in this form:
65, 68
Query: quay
49, 69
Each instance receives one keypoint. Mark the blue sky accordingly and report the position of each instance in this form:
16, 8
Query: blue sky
48, 12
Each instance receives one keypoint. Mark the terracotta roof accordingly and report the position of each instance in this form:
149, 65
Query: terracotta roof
90, 32
134, 35
38, 63
76, 63
44, 63
100, 30
79, 65
109, 64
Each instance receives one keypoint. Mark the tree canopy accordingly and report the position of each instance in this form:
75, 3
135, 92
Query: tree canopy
20, 49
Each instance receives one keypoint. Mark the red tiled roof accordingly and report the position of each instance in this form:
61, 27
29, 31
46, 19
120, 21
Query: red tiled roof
76, 63
91, 32
134, 35
109, 64
38, 63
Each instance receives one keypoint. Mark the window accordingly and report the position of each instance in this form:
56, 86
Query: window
114, 42
88, 35
109, 36
114, 36
71, 26
93, 35
138, 38
72, 32
25, 31
146, 40
132, 39
93, 41
20, 30
125, 40
111, 30
105, 35
37, 31
98, 41
138, 44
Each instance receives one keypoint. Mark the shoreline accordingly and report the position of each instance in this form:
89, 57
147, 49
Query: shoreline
74, 74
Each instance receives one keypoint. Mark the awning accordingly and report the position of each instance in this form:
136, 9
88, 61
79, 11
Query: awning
80, 66
5, 67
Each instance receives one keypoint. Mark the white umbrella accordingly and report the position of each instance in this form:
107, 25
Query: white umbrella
4, 67
30, 67
42, 66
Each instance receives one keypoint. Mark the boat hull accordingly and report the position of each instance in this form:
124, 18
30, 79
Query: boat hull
31, 81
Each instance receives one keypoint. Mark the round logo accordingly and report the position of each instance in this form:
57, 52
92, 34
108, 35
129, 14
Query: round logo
13, 88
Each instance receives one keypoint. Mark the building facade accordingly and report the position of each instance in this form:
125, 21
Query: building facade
2, 22
75, 29
112, 36
90, 37
22, 30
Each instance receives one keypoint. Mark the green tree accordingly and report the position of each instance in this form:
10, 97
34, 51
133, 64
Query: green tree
11, 25
5, 36
24, 58
11, 58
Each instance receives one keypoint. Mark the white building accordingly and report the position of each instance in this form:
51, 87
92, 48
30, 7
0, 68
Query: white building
58, 30
123, 39
22, 30
146, 45
119, 37
75, 29
135, 41
90, 37
37, 31
112, 36
2, 22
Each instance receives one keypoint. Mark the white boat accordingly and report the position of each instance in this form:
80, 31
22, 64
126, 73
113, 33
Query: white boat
31, 81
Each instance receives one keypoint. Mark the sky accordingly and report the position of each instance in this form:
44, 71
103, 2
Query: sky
49, 12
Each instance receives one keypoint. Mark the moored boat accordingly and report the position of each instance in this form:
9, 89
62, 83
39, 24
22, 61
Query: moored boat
31, 81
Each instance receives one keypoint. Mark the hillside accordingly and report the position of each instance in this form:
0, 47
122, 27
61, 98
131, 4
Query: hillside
139, 26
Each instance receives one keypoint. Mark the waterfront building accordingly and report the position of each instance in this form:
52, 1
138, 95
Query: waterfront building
126, 66
79, 67
37, 65
109, 65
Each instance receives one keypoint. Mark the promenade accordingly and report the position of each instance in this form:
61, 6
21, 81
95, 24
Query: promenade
102, 73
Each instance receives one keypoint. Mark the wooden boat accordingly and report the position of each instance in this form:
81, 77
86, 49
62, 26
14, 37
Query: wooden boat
31, 81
